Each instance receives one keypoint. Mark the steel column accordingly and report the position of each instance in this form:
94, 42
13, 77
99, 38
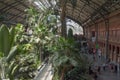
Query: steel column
107, 39
96, 30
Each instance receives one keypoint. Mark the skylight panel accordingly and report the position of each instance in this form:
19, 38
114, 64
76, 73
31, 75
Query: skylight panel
39, 4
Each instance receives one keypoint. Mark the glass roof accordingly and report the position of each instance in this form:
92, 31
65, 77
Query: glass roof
85, 11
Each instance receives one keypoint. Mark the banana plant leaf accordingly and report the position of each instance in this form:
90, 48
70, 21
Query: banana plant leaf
4, 40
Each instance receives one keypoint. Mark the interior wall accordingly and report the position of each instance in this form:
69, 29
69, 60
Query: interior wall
114, 35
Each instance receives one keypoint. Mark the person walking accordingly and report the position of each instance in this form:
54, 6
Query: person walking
99, 53
104, 66
115, 69
99, 69
95, 76
90, 70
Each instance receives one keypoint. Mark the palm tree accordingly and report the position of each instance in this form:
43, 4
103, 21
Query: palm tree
66, 57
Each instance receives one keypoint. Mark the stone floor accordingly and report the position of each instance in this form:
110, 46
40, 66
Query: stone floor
107, 74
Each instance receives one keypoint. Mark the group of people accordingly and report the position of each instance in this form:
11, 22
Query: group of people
94, 52
110, 67
94, 71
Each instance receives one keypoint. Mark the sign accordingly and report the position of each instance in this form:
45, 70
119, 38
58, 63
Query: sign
96, 46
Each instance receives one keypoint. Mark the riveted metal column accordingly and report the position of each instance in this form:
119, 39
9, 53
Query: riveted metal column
107, 39
96, 30
96, 36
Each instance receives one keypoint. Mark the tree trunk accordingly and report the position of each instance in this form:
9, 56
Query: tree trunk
63, 72
63, 18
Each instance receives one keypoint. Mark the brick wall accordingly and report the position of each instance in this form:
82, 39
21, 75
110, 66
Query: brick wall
114, 35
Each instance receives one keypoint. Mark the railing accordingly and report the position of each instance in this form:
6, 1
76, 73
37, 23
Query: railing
111, 39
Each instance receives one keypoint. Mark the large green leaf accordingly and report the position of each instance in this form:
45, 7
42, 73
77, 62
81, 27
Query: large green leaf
4, 40
12, 53
10, 68
12, 36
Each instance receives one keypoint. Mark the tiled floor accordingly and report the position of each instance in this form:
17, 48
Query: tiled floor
109, 76
106, 75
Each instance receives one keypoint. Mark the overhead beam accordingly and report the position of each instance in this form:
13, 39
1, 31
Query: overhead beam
11, 14
77, 21
97, 11
82, 9
77, 10
20, 1
17, 16
105, 5
11, 7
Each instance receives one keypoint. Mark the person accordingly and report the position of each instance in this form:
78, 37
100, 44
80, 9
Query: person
99, 69
111, 67
115, 68
95, 76
104, 65
90, 71
94, 51
94, 57
99, 53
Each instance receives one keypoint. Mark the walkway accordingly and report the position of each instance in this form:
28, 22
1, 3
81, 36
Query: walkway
105, 75
45, 73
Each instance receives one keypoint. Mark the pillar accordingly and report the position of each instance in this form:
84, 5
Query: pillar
63, 19
96, 36
107, 39
96, 30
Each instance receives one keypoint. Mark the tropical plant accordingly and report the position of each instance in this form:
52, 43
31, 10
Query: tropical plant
16, 53
26, 60
42, 26
7, 50
66, 59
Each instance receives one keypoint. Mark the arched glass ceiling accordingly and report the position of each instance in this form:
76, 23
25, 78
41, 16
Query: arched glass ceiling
40, 5
85, 11
77, 29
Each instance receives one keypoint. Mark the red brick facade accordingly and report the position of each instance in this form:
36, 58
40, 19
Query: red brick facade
114, 35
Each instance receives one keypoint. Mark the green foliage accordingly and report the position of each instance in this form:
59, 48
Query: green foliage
67, 59
12, 53
4, 40
7, 37
20, 51
77, 74
7, 50
26, 66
